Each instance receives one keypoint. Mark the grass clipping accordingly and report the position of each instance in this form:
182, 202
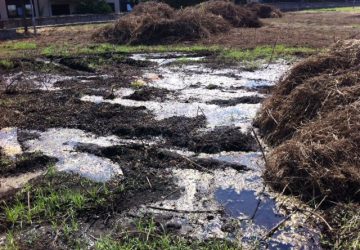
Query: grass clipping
313, 119
157, 23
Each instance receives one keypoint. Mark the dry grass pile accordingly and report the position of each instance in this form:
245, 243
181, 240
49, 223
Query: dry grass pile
236, 15
159, 9
264, 10
188, 24
313, 118
155, 23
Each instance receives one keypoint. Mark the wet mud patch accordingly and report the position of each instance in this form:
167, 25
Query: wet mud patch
169, 128
149, 94
95, 85
145, 156
24, 163
180, 157
217, 140
99, 202
239, 100
77, 64
100, 62
35, 65
42, 110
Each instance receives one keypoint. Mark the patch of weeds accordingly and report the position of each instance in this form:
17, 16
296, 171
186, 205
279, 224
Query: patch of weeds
104, 48
149, 235
345, 220
6, 64
186, 60
138, 84
19, 45
52, 51
263, 52
53, 198
252, 66
10, 243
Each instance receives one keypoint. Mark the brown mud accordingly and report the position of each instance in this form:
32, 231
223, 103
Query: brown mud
235, 101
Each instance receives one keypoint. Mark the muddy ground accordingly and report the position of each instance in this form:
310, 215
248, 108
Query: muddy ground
108, 140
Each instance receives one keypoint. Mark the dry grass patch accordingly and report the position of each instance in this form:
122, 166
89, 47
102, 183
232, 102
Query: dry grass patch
313, 118
158, 23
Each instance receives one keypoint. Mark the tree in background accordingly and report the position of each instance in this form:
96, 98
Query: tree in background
93, 7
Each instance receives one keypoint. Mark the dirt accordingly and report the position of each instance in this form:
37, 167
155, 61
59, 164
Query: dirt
218, 140
154, 157
23, 164
235, 101
144, 148
148, 94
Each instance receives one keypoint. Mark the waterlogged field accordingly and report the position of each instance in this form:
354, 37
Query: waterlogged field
114, 147
149, 147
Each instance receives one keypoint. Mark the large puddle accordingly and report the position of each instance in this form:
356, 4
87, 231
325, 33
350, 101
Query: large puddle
194, 86
224, 203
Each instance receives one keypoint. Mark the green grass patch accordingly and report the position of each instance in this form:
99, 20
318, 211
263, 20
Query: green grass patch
264, 52
102, 48
60, 200
18, 46
335, 9
6, 64
147, 236
57, 196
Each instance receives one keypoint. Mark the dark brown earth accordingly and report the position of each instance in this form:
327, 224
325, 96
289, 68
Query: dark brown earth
149, 93
239, 100
27, 162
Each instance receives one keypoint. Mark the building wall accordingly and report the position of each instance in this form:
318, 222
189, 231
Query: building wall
43, 7
3, 10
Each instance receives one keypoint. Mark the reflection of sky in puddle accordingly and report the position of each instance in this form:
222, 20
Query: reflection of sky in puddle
216, 116
274, 245
247, 203
61, 143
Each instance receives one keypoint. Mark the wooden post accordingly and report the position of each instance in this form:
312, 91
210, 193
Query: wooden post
24, 16
33, 15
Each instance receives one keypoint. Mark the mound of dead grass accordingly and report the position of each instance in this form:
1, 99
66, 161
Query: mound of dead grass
264, 10
313, 117
159, 9
158, 23
236, 15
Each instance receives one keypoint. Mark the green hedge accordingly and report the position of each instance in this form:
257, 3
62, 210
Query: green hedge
93, 7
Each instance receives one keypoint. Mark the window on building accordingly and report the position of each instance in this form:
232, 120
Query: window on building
28, 10
12, 13
15, 10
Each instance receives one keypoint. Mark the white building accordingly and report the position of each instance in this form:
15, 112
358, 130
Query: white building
44, 8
